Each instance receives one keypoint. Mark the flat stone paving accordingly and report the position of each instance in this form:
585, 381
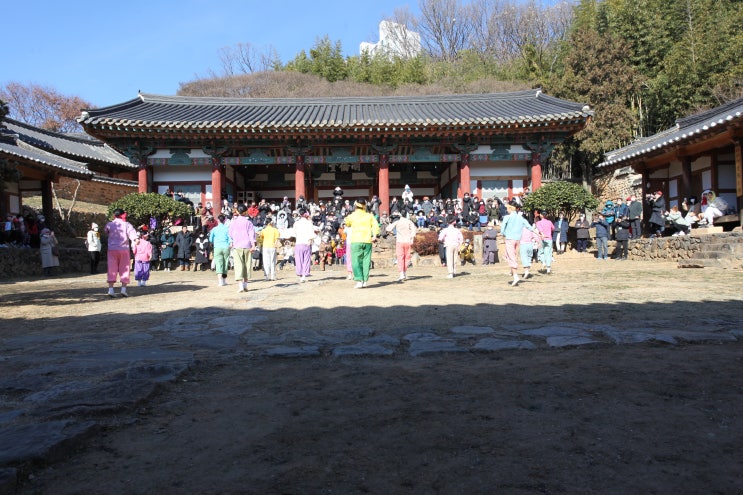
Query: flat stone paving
68, 378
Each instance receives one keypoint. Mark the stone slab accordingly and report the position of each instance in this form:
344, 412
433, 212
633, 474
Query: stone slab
500, 345
569, 340
363, 350
471, 330
556, 331
292, 352
423, 347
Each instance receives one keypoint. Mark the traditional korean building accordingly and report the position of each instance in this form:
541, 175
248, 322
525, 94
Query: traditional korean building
32, 159
243, 149
700, 152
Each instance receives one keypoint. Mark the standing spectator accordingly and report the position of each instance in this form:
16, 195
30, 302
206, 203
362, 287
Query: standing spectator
560, 234
269, 241
364, 229
202, 246
167, 250
621, 235
634, 212
610, 214
48, 251
120, 233
219, 237
184, 241
407, 194
658, 205
490, 244
621, 210
545, 228
405, 231
142, 250
602, 237
93, 243
581, 232
452, 238
242, 234
305, 235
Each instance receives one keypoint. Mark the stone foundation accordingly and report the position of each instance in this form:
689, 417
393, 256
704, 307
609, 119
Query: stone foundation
20, 263
724, 250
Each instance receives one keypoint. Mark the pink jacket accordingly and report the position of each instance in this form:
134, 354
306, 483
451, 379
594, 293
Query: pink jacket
142, 250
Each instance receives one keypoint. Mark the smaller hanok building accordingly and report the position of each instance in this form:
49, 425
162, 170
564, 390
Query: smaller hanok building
209, 149
32, 159
700, 152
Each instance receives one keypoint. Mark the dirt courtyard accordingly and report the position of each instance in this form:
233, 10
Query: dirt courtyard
608, 418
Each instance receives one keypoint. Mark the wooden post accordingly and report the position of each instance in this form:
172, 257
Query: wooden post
299, 173
464, 175
384, 183
217, 179
686, 176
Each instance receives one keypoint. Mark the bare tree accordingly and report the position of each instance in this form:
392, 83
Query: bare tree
43, 106
446, 27
402, 33
246, 58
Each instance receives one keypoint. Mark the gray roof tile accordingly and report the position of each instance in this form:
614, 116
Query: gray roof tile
154, 111
84, 149
685, 130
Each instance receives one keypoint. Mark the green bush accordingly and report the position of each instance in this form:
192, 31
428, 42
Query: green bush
556, 197
139, 207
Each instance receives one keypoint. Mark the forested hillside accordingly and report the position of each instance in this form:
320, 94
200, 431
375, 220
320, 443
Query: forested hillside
640, 64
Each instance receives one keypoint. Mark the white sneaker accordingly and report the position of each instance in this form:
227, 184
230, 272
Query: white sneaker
363, 284
303, 278
451, 275
350, 276
358, 285
401, 277
514, 282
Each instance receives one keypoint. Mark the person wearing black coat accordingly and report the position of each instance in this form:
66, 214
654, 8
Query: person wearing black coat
183, 245
621, 235
490, 245
657, 221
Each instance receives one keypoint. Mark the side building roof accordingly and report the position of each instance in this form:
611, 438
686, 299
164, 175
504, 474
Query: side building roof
147, 112
686, 130
87, 150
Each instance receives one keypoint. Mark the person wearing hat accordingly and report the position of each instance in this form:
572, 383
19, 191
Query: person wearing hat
364, 228
242, 236
405, 231
93, 243
47, 250
120, 233
305, 233
452, 238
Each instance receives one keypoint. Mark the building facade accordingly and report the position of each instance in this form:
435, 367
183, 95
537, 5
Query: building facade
244, 149
700, 152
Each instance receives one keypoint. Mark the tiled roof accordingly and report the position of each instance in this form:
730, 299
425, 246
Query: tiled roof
686, 130
84, 149
11, 146
232, 114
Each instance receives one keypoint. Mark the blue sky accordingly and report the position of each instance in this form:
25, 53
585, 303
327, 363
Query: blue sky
107, 50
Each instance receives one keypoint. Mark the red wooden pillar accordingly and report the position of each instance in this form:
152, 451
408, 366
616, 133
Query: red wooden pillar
217, 180
536, 171
384, 183
299, 174
143, 176
464, 175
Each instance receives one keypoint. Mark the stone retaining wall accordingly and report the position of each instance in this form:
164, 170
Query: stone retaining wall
20, 263
720, 249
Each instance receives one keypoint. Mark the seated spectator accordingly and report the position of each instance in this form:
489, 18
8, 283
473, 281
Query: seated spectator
716, 207
678, 223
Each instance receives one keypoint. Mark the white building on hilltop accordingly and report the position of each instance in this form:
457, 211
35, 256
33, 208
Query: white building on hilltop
395, 40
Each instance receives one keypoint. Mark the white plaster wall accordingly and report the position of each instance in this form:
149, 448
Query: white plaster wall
499, 169
700, 163
185, 173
